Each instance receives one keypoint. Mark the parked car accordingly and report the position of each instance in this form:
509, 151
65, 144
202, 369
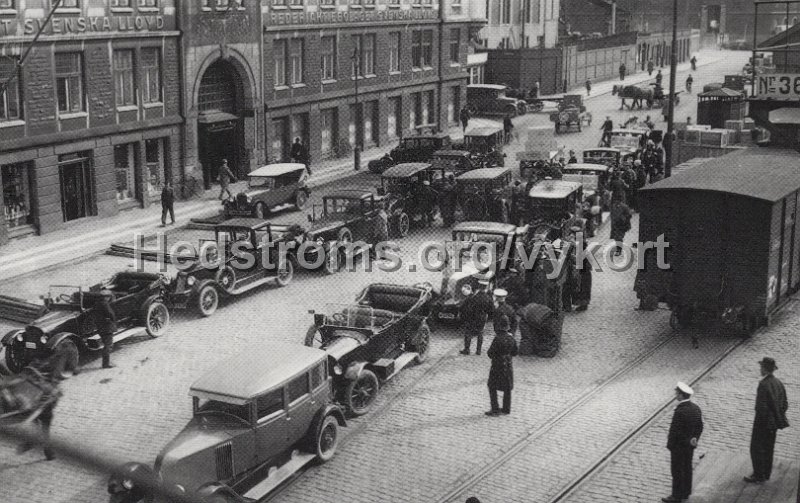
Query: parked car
455, 162
493, 99
222, 273
416, 148
258, 417
592, 177
269, 187
627, 139
401, 185
485, 194
610, 157
486, 146
67, 326
571, 113
372, 340
550, 202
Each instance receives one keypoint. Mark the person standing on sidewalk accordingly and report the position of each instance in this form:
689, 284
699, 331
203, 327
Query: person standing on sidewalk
299, 154
622, 70
475, 310
225, 177
464, 116
650, 68
689, 81
659, 78
607, 127
693, 61
106, 322
684, 433
771, 406
167, 204
588, 87
508, 128
501, 374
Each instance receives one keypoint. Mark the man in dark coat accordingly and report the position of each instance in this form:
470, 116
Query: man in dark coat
225, 177
501, 374
167, 204
508, 128
622, 70
684, 433
464, 116
299, 154
106, 322
659, 78
607, 128
572, 158
427, 198
771, 406
447, 201
503, 308
650, 67
475, 310
584, 294
514, 284
620, 224
619, 188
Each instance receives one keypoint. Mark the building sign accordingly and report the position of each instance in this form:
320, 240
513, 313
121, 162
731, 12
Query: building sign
92, 24
778, 86
338, 17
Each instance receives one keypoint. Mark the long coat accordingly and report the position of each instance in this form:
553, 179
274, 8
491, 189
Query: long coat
504, 309
501, 373
104, 318
771, 405
687, 423
475, 310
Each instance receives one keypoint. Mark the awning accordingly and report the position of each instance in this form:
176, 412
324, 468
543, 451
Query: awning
785, 116
211, 116
478, 58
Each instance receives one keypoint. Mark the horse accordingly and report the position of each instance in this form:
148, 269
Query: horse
640, 96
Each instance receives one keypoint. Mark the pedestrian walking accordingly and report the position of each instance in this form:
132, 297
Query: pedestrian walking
659, 78
167, 204
517, 201
684, 433
225, 177
106, 323
619, 188
650, 67
475, 310
689, 81
464, 116
649, 123
503, 308
570, 287
508, 128
629, 177
693, 61
299, 153
622, 70
380, 230
607, 128
771, 406
44, 421
427, 198
588, 87
501, 373
620, 224
447, 201
584, 294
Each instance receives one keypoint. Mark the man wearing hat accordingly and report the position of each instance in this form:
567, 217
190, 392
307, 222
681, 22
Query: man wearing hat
501, 373
427, 202
771, 406
502, 308
106, 322
475, 310
684, 432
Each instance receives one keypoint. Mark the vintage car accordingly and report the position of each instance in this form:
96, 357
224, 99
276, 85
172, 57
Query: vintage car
550, 204
593, 177
486, 146
485, 194
270, 187
401, 185
67, 325
478, 251
416, 148
372, 340
571, 113
610, 157
221, 272
488, 99
347, 216
258, 417
455, 162
627, 139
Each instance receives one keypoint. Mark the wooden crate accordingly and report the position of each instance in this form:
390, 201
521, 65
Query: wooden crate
714, 137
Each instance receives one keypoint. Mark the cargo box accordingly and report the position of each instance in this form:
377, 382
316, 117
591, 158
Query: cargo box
714, 138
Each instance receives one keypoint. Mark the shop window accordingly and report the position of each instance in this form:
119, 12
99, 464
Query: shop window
328, 131
17, 194
154, 161
124, 78
371, 122
69, 82
9, 98
151, 73
280, 139
77, 185
125, 174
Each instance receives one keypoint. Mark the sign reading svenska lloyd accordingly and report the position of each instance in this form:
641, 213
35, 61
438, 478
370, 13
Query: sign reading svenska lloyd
783, 86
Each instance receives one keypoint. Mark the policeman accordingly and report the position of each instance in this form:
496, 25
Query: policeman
106, 322
502, 308
475, 310
501, 374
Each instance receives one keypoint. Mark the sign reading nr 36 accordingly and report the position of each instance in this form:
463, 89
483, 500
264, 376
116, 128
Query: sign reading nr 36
777, 85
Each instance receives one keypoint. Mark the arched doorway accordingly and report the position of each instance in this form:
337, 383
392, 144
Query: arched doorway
220, 129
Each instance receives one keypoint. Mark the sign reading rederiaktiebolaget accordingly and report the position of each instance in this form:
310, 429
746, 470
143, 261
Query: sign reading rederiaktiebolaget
782, 86
338, 17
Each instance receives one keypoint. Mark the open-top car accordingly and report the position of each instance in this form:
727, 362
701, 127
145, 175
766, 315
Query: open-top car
550, 204
485, 194
402, 186
221, 272
373, 339
67, 325
257, 418
416, 148
268, 188
486, 146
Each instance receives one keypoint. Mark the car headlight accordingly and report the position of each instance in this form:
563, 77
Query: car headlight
43, 339
337, 369
19, 337
320, 241
191, 280
127, 484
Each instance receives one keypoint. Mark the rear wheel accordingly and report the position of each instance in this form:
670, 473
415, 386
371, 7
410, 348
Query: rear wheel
207, 300
327, 439
421, 342
300, 199
65, 359
156, 320
226, 278
361, 392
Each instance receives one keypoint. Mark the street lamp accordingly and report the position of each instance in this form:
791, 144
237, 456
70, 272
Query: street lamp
673, 68
356, 57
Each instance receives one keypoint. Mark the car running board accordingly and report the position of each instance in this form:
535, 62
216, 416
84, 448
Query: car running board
254, 284
403, 361
279, 476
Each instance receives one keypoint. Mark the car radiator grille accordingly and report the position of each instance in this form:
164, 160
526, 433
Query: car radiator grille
224, 455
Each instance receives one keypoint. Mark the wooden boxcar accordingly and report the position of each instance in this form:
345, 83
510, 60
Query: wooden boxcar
733, 234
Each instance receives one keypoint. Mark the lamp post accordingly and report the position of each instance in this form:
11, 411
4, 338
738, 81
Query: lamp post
356, 72
673, 68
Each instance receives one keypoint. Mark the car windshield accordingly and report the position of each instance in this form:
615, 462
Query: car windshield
335, 205
476, 141
477, 250
261, 182
65, 294
216, 407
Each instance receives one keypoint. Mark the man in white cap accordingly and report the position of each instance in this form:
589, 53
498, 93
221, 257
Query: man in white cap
502, 308
771, 406
684, 432
475, 310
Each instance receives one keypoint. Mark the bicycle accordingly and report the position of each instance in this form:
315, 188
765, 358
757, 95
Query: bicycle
191, 188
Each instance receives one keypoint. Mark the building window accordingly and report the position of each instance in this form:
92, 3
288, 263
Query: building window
120, 3
154, 159
394, 127
329, 3
427, 48
394, 51
455, 44
328, 129
151, 70
124, 167
416, 49
505, 12
16, 183
65, 4
422, 48
296, 59
416, 114
357, 66
280, 62
124, 79
429, 115
393, 2
9, 99
368, 55
455, 5
69, 82
148, 3
328, 58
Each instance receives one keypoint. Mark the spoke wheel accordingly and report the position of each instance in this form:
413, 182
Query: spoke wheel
361, 392
285, 272
157, 319
65, 359
226, 278
15, 357
300, 199
207, 300
403, 224
327, 439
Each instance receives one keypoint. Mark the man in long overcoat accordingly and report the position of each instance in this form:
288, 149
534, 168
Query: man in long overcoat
771, 406
106, 322
501, 372
620, 224
684, 433
475, 311
447, 201
584, 294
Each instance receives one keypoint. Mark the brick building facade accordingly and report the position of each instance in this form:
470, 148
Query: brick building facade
89, 123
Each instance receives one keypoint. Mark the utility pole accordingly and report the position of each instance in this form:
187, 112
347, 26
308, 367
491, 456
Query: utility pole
357, 120
673, 69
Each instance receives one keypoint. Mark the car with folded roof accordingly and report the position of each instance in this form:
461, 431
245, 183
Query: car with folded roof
268, 188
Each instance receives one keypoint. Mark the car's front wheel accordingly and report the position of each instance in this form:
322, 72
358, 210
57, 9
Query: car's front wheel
15, 358
207, 300
403, 224
361, 392
156, 320
300, 199
65, 359
327, 439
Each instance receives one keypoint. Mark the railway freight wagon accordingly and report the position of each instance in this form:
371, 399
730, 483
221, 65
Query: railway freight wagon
733, 234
